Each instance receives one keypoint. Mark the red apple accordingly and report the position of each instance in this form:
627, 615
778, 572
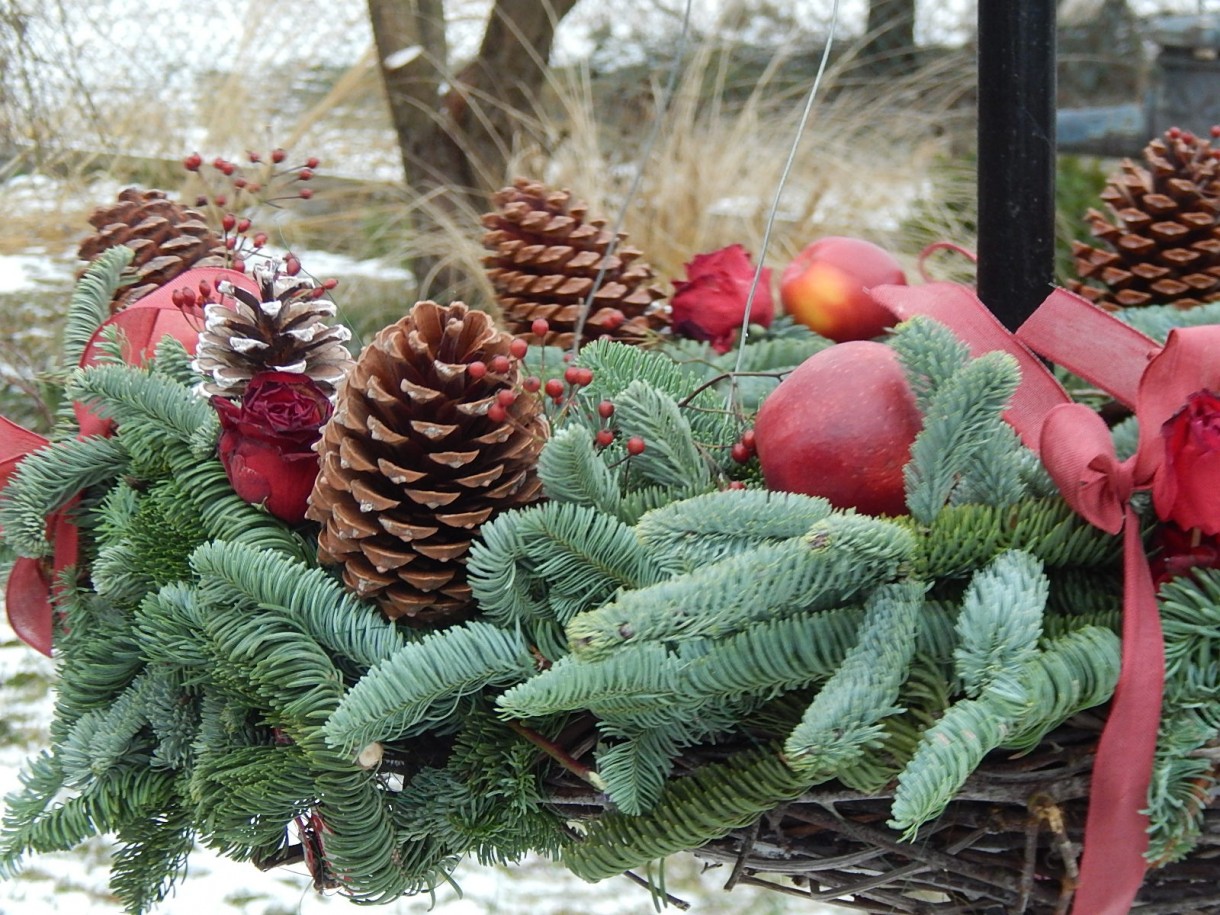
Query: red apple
841, 427
826, 287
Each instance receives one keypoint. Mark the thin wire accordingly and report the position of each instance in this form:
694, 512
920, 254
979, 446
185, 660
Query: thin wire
650, 141
779, 188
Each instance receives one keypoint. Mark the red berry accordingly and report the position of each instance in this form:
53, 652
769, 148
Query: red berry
231, 242
312, 162
554, 388
228, 169
476, 369
305, 193
604, 437
584, 376
220, 200
506, 396
254, 157
201, 201
635, 445
567, 357
737, 484
278, 155
740, 453
176, 298
518, 347
305, 174
496, 413
192, 162
749, 440
260, 239
205, 288
239, 264
570, 374
218, 163
330, 283
228, 222
614, 320
605, 409
540, 327
239, 183
243, 225
533, 384
317, 292
500, 365
292, 264
1215, 130
254, 187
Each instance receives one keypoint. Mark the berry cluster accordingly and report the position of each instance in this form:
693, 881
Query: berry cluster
230, 189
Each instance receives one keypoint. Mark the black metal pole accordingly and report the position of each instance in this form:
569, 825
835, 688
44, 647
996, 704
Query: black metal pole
1016, 165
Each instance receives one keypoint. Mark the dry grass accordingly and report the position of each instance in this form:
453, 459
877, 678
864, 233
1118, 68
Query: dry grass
708, 182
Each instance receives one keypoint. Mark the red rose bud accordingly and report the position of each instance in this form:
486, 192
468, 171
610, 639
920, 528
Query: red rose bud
1186, 490
266, 443
711, 302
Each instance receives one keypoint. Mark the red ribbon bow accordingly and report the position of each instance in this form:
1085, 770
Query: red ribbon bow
1078, 452
29, 596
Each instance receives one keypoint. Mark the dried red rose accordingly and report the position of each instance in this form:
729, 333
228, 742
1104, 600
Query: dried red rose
266, 443
1177, 552
711, 302
1186, 489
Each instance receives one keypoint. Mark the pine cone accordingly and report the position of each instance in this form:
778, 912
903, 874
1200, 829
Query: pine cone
1164, 246
168, 240
546, 257
285, 329
415, 459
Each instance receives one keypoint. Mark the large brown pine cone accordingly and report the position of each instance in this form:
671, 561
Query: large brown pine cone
545, 258
415, 459
1163, 246
168, 239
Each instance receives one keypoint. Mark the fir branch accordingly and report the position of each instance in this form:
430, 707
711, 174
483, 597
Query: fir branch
630, 683
103, 740
547, 562
960, 417
963, 538
418, 686
46, 481
705, 529
842, 556
1016, 710
572, 471
1001, 619
152, 855
930, 355
691, 812
333, 616
844, 719
769, 658
634, 771
226, 516
671, 458
89, 307
161, 407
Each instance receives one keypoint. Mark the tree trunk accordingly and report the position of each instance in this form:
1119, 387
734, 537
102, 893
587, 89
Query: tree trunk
456, 131
890, 45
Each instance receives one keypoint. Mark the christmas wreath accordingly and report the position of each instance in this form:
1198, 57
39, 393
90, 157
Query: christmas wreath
467, 595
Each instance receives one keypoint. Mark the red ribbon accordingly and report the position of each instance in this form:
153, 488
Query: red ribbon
1078, 452
30, 594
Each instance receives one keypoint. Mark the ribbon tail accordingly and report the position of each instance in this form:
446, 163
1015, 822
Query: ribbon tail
1116, 831
27, 600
